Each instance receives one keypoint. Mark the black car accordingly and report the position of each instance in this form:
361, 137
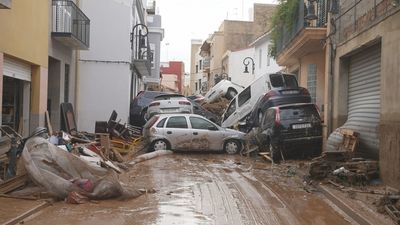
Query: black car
200, 110
276, 97
138, 106
291, 129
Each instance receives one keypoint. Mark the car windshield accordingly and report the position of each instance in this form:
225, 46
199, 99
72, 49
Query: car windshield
168, 97
283, 80
295, 112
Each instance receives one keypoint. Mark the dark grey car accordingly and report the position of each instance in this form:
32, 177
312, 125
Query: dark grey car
291, 129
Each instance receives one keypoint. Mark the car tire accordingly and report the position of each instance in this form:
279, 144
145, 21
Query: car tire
231, 93
232, 147
275, 153
159, 145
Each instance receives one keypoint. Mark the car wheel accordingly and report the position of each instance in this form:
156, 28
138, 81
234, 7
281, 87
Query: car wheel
232, 147
275, 153
231, 94
159, 145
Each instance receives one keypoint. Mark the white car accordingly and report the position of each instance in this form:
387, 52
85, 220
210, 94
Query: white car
190, 132
224, 88
169, 103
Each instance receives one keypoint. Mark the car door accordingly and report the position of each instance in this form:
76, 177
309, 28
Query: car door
206, 135
178, 133
230, 114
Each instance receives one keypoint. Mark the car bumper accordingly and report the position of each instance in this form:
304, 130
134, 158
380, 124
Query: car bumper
310, 143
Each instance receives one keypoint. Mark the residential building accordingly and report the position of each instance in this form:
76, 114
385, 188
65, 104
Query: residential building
173, 76
195, 75
302, 52
24, 28
232, 36
65, 38
156, 35
109, 77
255, 58
364, 78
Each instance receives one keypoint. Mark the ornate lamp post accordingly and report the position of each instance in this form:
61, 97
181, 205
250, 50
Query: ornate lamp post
246, 62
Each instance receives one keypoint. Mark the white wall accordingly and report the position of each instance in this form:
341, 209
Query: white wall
105, 86
268, 64
236, 67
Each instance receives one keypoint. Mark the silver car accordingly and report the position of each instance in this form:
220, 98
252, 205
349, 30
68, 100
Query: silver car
190, 132
169, 103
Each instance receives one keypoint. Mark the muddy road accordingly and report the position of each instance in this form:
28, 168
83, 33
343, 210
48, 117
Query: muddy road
194, 189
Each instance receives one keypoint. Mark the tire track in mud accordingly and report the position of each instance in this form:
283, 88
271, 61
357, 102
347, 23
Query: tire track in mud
255, 209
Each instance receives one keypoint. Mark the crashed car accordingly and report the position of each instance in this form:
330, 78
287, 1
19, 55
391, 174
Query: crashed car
224, 88
169, 103
291, 129
138, 107
200, 110
190, 132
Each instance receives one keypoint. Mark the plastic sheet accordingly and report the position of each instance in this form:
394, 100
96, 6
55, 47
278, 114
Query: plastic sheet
56, 170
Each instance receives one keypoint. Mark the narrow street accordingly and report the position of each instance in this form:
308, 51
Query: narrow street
203, 189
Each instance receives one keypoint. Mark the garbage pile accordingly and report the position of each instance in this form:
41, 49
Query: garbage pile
75, 166
342, 166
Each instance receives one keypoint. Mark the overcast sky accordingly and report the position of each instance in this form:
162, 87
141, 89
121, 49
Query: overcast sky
184, 20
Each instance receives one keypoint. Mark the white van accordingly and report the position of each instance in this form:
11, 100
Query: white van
242, 104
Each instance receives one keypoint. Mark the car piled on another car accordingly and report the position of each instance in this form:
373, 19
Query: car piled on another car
190, 132
291, 129
224, 88
169, 103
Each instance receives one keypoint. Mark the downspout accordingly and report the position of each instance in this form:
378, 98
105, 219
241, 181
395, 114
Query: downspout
332, 55
76, 98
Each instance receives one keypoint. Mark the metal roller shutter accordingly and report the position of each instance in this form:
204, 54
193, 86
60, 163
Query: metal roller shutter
17, 69
363, 99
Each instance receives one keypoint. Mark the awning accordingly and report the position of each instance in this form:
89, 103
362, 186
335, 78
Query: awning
142, 67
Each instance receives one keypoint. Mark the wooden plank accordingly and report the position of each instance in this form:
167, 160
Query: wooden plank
30, 212
49, 127
13, 184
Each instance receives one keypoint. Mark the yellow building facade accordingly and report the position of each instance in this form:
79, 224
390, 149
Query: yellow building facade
24, 64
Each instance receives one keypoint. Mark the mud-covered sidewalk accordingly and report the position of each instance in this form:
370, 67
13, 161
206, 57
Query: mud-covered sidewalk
205, 189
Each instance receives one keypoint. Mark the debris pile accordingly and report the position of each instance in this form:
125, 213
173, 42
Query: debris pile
71, 165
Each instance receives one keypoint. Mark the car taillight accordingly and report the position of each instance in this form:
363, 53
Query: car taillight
278, 117
270, 94
304, 91
184, 103
154, 104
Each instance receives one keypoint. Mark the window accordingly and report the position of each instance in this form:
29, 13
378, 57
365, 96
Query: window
312, 81
177, 122
196, 86
268, 57
231, 108
259, 58
283, 80
161, 123
244, 96
66, 83
199, 123
197, 68
200, 63
297, 112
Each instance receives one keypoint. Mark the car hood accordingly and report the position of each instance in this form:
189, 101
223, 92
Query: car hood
234, 133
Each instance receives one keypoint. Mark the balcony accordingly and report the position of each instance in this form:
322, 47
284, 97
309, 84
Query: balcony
70, 25
206, 64
5, 4
357, 16
305, 36
142, 55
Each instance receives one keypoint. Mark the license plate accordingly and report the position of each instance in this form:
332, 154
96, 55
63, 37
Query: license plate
169, 110
301, 126
291, 92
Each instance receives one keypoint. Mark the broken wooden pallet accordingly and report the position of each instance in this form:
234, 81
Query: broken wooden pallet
266, 156
13, 184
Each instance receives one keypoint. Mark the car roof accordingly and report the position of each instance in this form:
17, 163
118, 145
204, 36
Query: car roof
179, 114
169, 95
291, 105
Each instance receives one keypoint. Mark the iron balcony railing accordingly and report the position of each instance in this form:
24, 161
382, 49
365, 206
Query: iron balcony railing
68, 19
288, 34
356, 16
206, 63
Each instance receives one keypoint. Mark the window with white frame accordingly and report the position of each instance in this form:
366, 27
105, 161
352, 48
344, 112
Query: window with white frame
312, 81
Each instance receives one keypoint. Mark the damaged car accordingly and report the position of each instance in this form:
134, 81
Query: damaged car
190, 132
224, 88
169, 103
294, 129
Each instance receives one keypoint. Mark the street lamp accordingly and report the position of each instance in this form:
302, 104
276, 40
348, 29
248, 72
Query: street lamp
138, 36
311, 11
246, 62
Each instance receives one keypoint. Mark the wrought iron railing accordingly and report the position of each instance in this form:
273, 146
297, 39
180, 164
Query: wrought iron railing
286, 34
140, 42
356, 16
69, 19
206, 63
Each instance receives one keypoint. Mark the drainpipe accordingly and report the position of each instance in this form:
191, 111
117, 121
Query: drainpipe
76, 98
